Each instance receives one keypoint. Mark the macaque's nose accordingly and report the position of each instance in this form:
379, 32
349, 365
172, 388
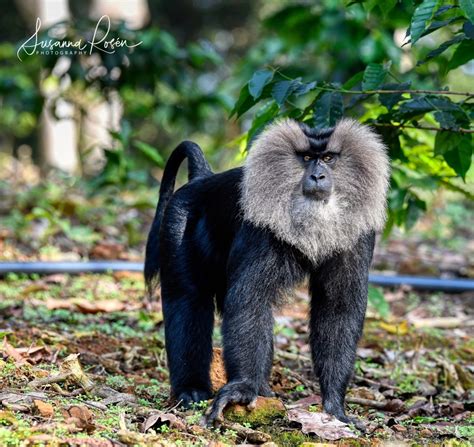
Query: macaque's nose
317, 184
318, 177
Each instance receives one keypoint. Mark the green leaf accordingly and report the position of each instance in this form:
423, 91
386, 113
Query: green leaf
396, 197
441, 49
467, 7
462, 55
421, 105
150, 152
446, 120
390, 99
374, 74
435, 25
391, 137
468, 29
421, 17
415, 209
328, 109
378, 302
244, 103
305, 88
456, 149
259, 80
356, 79
281, 90
262, 117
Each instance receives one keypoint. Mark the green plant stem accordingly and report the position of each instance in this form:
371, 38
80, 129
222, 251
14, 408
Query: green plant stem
414, 92
436, 129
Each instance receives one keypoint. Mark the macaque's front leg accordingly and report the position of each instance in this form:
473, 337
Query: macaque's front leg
339, 299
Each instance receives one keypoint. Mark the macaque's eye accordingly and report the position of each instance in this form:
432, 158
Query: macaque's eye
327, 158
306, 158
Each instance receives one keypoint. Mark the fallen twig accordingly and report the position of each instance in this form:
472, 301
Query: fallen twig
50, 380
249, 435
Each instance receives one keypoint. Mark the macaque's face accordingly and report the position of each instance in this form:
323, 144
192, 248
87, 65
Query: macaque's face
316, 189
317, 181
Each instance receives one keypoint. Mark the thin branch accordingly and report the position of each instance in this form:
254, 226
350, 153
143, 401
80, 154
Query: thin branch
50, 380
384, 92
436, 129
379, 91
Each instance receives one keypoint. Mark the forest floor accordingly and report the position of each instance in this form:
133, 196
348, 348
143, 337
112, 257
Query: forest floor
83, 363
82, 358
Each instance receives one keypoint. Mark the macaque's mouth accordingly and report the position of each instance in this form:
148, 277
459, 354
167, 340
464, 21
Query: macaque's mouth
321, 196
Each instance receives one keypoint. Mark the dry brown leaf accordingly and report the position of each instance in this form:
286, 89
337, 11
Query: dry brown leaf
33, 288
133, 276
12, 352
306, 402
30, 350
218, 374
45, 409
93, 307
367, 393
323, 425
394, 406
55, 278
34, 353
157, 419
53, 303
80, 416
107, 250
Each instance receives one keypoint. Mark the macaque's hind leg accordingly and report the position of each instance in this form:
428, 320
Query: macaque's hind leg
265, 389
189, 321
247, 332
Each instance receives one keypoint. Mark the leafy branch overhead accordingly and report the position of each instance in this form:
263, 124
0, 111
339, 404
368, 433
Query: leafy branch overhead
426, 126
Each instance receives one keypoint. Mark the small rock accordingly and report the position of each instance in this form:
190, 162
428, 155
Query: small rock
399, 428
266, 409
45, 409
425, 433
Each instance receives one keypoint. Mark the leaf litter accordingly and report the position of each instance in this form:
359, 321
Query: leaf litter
102, 376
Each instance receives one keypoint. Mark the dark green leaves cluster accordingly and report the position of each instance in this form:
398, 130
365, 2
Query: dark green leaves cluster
428, 131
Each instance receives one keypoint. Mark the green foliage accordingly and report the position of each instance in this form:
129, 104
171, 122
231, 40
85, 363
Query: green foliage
426, 127
314, 62
422, 17
20, 98
158, 82
378, 302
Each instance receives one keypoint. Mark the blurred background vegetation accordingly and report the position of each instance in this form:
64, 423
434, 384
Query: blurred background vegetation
84, 137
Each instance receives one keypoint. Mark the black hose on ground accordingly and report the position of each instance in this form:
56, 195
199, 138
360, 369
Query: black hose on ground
48, 268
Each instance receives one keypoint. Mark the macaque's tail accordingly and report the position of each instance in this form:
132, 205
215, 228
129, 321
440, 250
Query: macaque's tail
197, 167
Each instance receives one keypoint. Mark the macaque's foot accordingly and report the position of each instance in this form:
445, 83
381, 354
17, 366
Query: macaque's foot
233, 393
341, 416
265, 391
188, 397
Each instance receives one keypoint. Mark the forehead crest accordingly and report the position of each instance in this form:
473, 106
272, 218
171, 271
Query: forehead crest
318, 138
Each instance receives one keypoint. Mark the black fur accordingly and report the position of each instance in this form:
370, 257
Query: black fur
318, 138
207, 256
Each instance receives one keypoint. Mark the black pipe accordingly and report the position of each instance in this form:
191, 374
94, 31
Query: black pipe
48, 268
